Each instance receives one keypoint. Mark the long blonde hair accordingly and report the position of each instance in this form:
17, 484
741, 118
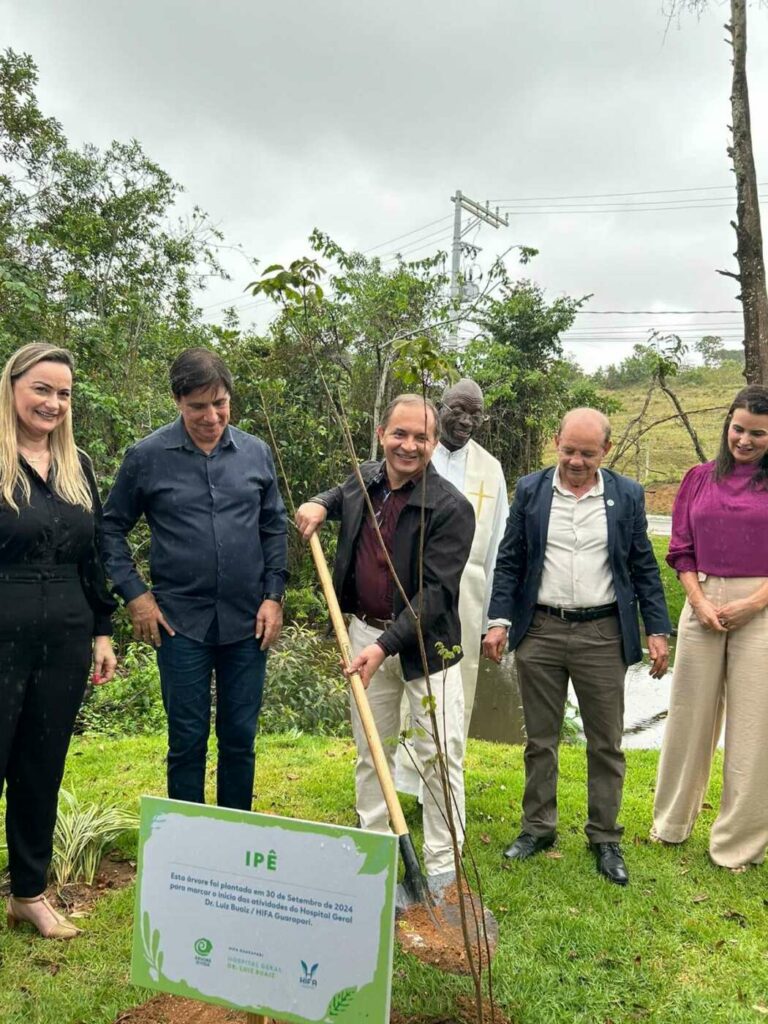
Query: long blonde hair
69, 479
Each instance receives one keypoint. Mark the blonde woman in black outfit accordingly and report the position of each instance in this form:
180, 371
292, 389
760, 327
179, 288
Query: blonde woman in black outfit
54, 613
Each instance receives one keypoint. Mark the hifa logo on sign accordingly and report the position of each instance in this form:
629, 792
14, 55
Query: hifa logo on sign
308, 977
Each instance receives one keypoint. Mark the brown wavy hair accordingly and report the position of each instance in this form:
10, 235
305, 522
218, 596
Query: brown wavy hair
753, 398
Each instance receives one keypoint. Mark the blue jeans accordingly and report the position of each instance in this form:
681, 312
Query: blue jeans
185, 679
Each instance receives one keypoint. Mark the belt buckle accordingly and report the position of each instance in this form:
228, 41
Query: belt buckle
561, 614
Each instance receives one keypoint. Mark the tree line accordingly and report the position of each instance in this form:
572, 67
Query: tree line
94, 257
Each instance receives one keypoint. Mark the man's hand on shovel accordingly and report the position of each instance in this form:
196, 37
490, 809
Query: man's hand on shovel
366, 663
309, 516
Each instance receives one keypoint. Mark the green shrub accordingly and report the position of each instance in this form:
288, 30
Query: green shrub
81, 837
304, 688
131, 704
305, 606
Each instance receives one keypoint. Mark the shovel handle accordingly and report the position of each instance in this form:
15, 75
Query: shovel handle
358, 690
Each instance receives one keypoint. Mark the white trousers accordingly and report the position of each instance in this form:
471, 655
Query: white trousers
407, 778
384, 695
716, 674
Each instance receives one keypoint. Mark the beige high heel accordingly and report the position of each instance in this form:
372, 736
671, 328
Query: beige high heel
48, 921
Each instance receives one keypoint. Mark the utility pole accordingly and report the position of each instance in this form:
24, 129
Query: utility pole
479, 213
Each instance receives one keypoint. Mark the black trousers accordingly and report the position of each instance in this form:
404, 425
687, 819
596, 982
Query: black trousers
46, 627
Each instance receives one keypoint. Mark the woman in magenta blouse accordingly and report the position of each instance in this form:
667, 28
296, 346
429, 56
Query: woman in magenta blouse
719, 548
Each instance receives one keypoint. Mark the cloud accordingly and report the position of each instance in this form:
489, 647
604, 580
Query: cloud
364, 118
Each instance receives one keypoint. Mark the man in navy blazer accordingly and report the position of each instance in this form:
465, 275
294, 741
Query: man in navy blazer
573, 569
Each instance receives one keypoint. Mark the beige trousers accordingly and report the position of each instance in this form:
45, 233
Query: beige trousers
384, 695
717, 674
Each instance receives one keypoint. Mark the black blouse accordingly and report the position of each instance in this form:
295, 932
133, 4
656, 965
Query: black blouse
49, 531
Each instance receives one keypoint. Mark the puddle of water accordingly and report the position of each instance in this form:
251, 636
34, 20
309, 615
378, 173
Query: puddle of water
498, 716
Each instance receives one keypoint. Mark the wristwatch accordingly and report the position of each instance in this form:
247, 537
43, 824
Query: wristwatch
280, 598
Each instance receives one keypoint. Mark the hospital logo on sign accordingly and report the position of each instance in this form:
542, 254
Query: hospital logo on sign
307, 977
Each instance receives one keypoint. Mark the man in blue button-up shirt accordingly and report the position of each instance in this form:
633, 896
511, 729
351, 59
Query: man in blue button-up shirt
218, 562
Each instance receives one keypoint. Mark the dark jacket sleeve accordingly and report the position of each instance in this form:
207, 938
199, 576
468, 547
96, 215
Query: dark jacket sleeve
124, 507
273, 532
644, 571
511, 561
446, 550
332, 500
92, 575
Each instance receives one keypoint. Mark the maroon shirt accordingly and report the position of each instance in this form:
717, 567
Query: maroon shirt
373, 580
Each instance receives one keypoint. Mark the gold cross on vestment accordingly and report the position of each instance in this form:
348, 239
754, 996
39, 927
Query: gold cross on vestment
481, 496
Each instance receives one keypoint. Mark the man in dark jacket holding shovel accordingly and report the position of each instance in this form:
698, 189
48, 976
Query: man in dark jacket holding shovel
404, 491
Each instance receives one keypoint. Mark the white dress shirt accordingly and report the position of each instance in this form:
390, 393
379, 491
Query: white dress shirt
576, 572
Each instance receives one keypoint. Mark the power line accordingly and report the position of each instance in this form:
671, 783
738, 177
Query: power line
615, 195
703, 202
699, 203
527, 212
414, 247
609, 341
406, 234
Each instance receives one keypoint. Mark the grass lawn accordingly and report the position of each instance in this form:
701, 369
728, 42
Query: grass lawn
685, 942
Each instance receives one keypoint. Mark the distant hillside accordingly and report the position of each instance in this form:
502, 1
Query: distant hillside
666, 451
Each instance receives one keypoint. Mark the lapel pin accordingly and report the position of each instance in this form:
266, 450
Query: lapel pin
610, 502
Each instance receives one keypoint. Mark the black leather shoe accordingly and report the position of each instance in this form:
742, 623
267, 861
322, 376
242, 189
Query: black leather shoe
610, 862
526, 845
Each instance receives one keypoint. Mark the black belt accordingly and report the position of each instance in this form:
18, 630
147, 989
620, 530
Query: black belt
601, 611
34, 572
369, 620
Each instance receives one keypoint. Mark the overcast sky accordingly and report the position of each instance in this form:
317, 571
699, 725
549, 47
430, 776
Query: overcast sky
363, 119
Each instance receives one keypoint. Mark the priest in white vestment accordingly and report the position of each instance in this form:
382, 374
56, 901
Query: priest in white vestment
480, 478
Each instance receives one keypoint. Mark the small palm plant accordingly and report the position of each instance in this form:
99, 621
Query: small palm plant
82, 834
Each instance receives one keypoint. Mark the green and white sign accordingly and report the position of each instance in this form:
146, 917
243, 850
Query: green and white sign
286, 918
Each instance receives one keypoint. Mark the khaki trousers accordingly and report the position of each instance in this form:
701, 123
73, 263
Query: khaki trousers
590, 653
717, 674
384, 695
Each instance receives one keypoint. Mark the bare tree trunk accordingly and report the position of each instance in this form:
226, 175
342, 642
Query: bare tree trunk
381, 390
749, 237
683, 416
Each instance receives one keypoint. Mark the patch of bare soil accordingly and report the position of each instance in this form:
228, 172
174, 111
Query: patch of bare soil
659, 498
174, 1010
436, 937
75, 900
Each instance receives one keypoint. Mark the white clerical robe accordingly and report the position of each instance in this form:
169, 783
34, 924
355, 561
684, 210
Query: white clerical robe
480, 478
